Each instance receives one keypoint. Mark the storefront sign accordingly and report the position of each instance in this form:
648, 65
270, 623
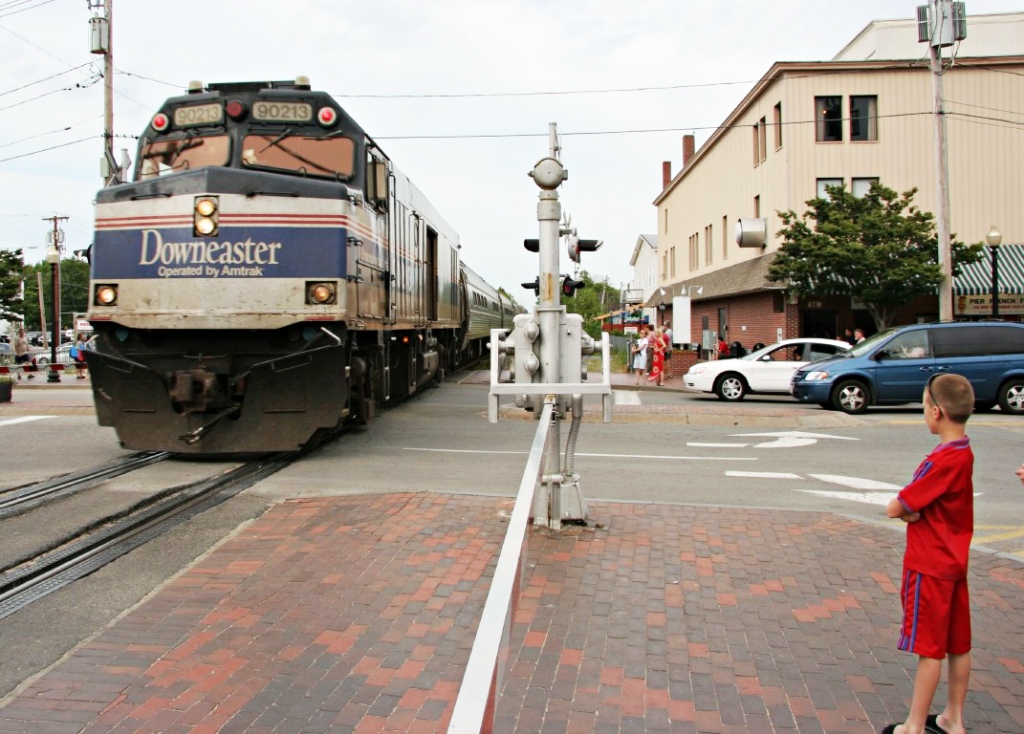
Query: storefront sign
982, 305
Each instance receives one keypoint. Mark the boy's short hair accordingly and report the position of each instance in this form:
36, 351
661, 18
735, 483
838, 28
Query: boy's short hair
954, 395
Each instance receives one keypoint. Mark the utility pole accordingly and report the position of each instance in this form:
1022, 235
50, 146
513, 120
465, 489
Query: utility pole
102, 43
942, 23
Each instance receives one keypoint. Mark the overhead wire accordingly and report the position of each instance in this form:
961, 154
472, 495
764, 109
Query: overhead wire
21, 10
53, 147
44, 79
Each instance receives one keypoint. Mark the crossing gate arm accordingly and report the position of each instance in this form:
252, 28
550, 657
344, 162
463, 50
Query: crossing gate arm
476, 704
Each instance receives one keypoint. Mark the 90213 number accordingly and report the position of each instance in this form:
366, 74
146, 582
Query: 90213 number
282, 111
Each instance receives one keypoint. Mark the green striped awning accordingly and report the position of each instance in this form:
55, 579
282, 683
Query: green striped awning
976, 279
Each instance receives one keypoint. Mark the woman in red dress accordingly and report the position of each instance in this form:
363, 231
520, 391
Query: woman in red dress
657, 348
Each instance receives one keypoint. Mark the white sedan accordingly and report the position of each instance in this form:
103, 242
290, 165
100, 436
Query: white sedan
765, 370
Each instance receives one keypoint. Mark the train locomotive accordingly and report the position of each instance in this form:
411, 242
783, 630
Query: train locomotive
267, 275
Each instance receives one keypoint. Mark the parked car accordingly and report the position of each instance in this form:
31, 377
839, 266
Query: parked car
893, 366
765, 370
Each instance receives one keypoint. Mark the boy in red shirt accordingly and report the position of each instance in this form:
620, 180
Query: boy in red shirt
938, 506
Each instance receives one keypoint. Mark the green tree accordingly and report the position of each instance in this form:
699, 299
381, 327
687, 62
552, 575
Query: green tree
74, 292
879, 248
590, 301
12, 262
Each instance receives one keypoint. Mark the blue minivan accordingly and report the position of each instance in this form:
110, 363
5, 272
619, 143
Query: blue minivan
893, 366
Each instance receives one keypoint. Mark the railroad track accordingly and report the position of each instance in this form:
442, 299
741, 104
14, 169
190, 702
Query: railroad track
22, 499
29, 579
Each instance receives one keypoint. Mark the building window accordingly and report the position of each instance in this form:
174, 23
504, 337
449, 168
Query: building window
664, 267
762, 138
666, 221
757, 142
725, 237
861, 186
694, 251
863, 118
672, 262
777, 122
757, 207
823, 182
709, 245
828, 115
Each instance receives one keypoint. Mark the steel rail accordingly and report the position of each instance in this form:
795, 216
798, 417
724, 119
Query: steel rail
25, 498
30, 581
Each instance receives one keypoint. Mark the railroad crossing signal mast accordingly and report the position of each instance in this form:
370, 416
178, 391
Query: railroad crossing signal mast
548, 349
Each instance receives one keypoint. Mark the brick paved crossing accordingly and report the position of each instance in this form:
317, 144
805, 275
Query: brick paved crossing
355, 614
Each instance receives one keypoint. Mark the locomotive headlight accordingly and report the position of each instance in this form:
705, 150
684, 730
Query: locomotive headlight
106, 295
206, 219
320, 293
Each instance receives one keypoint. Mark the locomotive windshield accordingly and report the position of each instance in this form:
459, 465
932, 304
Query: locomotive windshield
161, 157
332, 156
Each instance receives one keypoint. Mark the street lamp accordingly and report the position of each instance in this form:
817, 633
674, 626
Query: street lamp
994, 238
53, 257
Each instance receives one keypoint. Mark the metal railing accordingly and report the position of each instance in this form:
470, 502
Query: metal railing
476, 703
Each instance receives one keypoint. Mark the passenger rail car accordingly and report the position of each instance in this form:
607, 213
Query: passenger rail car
267, 275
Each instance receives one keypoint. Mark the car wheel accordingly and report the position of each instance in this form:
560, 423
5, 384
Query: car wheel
850, 396
1011, 397
730, 387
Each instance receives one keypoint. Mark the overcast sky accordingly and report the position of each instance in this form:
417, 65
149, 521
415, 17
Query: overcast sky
458, 92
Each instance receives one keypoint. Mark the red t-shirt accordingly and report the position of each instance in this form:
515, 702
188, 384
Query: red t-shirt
942, 490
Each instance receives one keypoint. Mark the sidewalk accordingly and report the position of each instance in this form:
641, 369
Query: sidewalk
355, 614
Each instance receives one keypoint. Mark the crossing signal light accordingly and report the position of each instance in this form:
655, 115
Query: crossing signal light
576, 246
569, 286
534, 286
532, 245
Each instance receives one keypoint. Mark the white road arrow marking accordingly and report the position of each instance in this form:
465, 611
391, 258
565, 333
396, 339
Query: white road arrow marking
791, 439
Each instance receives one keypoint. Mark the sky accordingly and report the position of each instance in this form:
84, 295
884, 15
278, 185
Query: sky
459, 93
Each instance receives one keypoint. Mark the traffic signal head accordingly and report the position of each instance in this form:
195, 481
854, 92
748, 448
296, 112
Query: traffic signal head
534, 286
569, 286
576, 246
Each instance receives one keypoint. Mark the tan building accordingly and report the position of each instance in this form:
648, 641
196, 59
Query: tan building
851, 121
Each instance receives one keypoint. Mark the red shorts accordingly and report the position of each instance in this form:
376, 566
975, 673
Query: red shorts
936, 616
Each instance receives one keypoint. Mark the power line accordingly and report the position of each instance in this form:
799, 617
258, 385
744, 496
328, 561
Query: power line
47, 94
34, 45
683, 128
539, 94
44, 79
22, 10
44, 150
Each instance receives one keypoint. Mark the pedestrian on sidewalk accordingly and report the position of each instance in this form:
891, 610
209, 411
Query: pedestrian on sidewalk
938, 507
21, 355
640, 358
77, 352
656, 349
